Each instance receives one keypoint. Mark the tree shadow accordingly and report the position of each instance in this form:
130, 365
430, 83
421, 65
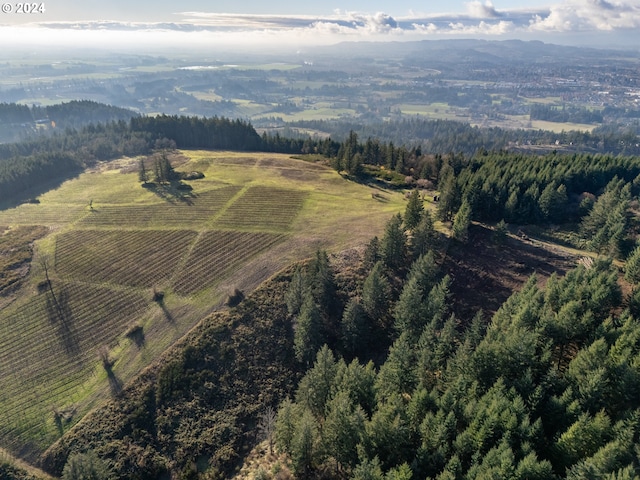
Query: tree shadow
115, 384
158, 297
136, 335
175, 192
167, 314
60, 315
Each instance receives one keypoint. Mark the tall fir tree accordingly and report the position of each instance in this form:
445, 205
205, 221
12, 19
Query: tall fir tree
414, 210
393, 245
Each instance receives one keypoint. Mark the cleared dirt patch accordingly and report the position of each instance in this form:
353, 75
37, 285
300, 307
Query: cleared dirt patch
485, 272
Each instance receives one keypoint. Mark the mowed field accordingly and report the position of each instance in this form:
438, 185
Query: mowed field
67, 344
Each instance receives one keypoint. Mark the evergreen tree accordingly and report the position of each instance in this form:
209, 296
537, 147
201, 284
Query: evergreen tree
553, 202
461, 222
397, 375
296, 293
308, 336
143, 176
409, 311
393, 245
500, 232
414, 210
286, 425
367, 469
449, 193
388, 433
315, 388
632, 267
371, 253
355, 329
358, 381
343, 430
424, 236
375, 293
321, 281
304, 446
425, 271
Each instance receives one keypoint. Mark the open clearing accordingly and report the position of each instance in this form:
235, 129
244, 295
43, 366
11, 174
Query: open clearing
124, 271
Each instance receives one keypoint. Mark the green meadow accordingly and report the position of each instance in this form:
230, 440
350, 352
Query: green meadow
123, 271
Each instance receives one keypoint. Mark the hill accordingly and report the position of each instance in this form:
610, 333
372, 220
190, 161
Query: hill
201, 406
126, 271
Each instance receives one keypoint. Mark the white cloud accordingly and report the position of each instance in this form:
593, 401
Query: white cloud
589, 15
209, 29
477, 9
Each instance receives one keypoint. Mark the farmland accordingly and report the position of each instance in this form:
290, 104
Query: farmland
120, 271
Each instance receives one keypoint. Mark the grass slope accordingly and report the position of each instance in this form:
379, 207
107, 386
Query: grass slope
68, 343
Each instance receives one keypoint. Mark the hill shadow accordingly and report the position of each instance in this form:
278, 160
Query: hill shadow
12, 198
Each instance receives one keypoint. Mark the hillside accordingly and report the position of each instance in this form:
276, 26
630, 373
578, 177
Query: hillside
199, 409
125, 271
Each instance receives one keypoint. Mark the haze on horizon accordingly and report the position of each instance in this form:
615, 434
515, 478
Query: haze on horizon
195, 24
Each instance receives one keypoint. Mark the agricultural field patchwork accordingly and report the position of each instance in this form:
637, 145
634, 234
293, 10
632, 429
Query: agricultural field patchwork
138, 258
263, 208
115, 272
175, 210
216, 253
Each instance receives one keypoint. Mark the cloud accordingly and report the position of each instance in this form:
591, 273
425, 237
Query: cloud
477, 9
589, 15
208, 29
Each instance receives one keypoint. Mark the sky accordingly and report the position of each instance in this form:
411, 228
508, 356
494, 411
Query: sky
285, 24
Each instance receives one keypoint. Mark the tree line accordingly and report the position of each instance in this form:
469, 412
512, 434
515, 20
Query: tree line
32, 164
449, 136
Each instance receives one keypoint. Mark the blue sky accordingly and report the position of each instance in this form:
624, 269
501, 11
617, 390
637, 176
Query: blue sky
282, 23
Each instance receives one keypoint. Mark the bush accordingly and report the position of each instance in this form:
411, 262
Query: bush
85, 466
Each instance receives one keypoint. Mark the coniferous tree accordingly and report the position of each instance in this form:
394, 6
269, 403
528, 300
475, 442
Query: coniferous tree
449, 193
285, 425
409, 311
397, 375
321, 281
343, 430
424, 236
414, 210
315, 388
308, 336
375, 293
304, 445
367, 469
143, 176
461, 222
632, 266
393, 246
296, 293
371, 253
553, 202
355, 329
425, 271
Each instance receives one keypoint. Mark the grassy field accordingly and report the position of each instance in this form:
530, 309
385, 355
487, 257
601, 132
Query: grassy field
120, 272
